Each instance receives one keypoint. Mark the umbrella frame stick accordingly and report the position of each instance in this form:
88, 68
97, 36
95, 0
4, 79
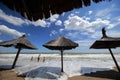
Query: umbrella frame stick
15, 60
62, 61
114, 60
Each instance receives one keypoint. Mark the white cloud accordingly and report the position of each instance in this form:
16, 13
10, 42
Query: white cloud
84, 42
4, 29
110, 33
11, 19
61, 30
78, 23
119, 19
58, 22
103, 12
0, 40
76, 12
73, 35
18, 21
53, 32
96, 35
39, 22
63, 14
113, 33
54, 17
106, 13
99, 22
90, 12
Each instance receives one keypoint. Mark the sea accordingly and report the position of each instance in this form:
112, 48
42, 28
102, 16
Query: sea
47, 65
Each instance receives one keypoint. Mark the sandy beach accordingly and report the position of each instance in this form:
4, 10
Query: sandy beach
99, 75
76, 67
9, 75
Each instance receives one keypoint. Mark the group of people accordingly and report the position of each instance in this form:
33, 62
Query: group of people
38, 58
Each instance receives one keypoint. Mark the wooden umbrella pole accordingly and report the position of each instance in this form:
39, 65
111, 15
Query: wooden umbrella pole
62, 61
114, 60
14, 63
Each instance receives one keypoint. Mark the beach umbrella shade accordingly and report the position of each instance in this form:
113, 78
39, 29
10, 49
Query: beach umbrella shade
61, 43
39, 9
107, 43
20, 43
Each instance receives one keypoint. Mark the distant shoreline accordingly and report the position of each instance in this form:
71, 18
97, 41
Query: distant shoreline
74, 53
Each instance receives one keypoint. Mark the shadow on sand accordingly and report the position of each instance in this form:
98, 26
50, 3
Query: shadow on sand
105, 74
6, 67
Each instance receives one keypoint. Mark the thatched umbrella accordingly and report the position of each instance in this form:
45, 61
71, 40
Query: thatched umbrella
39, 9
20, 43
61, 43
107, 43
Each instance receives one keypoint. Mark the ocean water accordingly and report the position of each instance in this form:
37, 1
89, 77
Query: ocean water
49, 65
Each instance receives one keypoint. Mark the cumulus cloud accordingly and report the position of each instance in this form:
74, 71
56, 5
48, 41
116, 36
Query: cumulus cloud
19, 21
79, 23
11, 19
54, 17
58, 22
5, 30
39, 22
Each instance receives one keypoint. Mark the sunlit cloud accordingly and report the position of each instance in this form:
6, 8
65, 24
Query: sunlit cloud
39, 22
58, 22
54, 17
19, 21
11, 19
79, 23
5, 30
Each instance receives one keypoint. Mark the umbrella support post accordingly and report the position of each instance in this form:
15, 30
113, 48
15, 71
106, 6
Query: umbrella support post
14, 63
62, 61
117, 66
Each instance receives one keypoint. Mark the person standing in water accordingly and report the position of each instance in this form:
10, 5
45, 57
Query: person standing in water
43, 59
38, 59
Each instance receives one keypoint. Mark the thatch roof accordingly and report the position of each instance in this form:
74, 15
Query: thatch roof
106, 42
61, 43
39, 9
20, 42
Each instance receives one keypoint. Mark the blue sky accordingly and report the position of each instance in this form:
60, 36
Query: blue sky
80, 25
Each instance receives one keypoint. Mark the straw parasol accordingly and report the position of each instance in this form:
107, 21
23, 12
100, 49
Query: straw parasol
20, 43
39, 9
61, 43
107, 43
